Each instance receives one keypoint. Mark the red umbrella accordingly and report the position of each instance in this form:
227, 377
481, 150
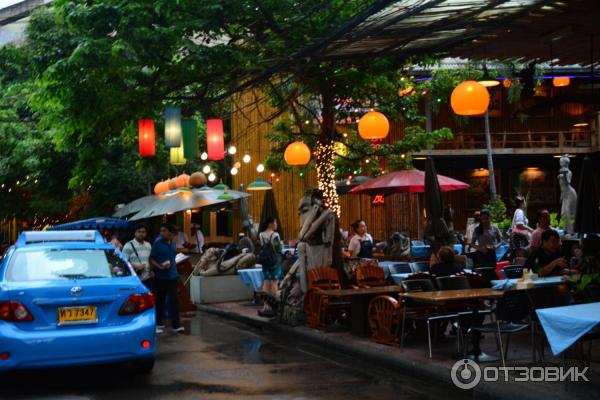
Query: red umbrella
405, 181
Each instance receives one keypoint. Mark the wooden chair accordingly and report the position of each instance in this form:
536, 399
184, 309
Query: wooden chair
318, 308
370, 276
385, 319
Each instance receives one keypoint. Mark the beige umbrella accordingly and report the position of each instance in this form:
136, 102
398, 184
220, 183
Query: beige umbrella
185, 200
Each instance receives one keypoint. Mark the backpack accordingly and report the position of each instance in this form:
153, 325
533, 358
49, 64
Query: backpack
267, 256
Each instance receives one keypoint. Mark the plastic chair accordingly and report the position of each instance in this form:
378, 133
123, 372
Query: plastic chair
401, 268
421, 266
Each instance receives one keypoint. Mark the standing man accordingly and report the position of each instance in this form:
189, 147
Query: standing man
486, 238
182, 243
137, 252
197, 240
162, 258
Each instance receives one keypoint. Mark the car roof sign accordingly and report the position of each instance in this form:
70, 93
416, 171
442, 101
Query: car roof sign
30, 237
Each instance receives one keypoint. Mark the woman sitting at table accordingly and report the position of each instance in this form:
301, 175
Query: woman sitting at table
361, 244
447, 265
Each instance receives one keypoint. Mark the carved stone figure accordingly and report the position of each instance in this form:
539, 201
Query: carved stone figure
213, 262
399, 245
568, 196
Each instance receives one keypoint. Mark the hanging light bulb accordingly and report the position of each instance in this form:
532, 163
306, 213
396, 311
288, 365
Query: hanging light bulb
260, 168
204, 156
234, 171
238, 165
246, 158
212, 177
232, 150
206, 169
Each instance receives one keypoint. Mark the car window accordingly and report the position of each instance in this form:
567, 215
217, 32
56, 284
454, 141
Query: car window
59, 264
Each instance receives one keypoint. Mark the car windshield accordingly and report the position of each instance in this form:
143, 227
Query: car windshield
60, 264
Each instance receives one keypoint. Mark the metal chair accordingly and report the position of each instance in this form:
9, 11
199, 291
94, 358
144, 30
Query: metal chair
511, 310
425, 313
401, 268
456, 282
488, 274
513, 272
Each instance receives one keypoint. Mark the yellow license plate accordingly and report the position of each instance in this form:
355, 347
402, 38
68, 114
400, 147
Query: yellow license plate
77, 315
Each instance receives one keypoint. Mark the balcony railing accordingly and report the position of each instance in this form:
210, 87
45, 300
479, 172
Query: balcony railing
553, 142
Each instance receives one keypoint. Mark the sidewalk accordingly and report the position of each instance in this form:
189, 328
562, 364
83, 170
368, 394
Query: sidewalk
414, 359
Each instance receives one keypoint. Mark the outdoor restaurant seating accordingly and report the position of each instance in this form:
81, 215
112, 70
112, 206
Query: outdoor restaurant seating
370, 276
421, 276
385, 318
511, 310
401, 268
320, 309
420, 266
476, 280
488, 273
452, 282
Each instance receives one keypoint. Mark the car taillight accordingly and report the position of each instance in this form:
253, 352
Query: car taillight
137, 303
14, 311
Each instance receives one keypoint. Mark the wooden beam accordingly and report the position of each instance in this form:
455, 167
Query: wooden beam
509, 151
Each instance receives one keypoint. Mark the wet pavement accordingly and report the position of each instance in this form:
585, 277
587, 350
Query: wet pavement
220, 359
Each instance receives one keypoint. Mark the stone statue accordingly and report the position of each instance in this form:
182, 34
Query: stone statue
215, 261
399, 245
568, 196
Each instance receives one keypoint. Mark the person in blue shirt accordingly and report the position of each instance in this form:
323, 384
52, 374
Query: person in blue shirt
162, 259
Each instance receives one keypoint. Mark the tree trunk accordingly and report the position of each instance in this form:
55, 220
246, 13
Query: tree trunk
324, 154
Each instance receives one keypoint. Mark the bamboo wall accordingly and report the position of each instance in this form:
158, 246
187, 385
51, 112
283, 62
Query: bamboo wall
251, 119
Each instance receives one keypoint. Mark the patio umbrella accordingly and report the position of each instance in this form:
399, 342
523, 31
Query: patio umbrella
184, 200
436, 226
587, 217
269, 209
405, 181
343, 186
92, 223
135, 206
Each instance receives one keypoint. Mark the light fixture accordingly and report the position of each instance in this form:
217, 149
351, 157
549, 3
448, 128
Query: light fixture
246, 158
232, 150
172, 126
205, 189
489, 83
469, 98
259, 184
234, 171
419, 158
561, 81
506, 83
260, 168
220, 186
297, 153
212, 177
226, 196
373, 125
204, 156
237, 165
206, 169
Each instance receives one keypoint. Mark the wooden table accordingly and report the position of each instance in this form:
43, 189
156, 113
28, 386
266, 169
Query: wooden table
360, 299
473, 296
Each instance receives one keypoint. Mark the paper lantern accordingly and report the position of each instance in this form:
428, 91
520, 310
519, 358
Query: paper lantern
172, 127
215, 143
189, 129
176, 155
469, 98
561, 81
297, 153
198, 179
161, 187
507, 83
172, 184
183, 180
146, 137
373, 125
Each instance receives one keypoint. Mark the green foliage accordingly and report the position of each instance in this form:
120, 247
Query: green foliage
498, 211
555, 221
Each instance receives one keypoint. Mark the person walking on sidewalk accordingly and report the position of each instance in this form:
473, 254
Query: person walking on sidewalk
162, 258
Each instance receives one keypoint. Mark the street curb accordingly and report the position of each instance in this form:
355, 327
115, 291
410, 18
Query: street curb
383, 357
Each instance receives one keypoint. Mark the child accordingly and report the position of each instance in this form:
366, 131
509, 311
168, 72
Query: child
520, 257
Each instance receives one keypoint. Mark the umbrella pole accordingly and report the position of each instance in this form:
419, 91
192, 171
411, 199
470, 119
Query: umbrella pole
419, 217
490, 161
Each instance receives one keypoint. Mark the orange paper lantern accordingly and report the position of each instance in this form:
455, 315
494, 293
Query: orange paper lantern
198, 179
507, 83
146, 137
161, 187
173, 184
561, 81
373, 125
297, 153
183, 180
469, 98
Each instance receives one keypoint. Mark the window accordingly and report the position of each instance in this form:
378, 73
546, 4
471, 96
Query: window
58, 264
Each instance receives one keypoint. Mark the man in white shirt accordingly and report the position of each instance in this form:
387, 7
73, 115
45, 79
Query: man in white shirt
197, 241
137, 252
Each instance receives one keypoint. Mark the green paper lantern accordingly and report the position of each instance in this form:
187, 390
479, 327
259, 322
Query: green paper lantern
189, 128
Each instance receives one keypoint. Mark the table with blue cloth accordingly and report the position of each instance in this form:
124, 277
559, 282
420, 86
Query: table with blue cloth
506, 284
565, 325
419, 249
252, 277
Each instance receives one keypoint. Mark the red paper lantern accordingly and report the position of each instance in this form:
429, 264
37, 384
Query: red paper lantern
146, 137
215, 142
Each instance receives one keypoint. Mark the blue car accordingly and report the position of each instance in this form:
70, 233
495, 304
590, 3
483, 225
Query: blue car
68, 298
